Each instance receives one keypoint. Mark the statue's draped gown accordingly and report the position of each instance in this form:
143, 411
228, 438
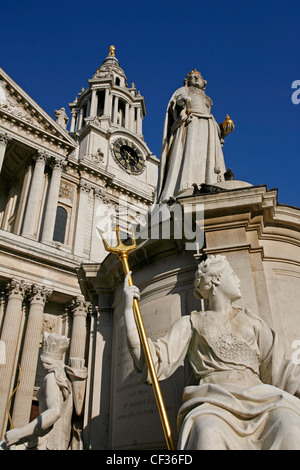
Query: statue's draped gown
191, 148
245, 392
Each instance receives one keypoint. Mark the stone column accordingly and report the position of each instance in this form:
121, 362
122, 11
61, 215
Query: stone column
80, 119
10, 335
77, 120
29, 359
2, 306
80, 309
100, 212
73, 121
127, 117
94, 103
116, 105
4, 139
139, 121
84, 190
35, 190
107, 102
132, 126
50, 214
88, 108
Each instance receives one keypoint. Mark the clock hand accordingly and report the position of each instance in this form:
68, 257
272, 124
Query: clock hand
127, 154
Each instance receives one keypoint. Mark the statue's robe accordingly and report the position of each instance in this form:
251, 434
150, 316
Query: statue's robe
242, 379
191, 147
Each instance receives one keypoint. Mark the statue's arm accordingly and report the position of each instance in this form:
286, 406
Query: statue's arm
179, 110
42, 422
133, 339
168, 352
226, 127
275, 369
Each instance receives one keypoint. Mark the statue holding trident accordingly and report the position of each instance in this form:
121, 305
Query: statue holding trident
247, 394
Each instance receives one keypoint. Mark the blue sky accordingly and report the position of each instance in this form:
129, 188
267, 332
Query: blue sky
247, 51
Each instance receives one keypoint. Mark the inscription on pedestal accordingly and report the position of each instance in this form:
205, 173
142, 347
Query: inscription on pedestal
135, 418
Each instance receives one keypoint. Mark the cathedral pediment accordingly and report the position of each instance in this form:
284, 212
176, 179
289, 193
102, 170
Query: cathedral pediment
21, 114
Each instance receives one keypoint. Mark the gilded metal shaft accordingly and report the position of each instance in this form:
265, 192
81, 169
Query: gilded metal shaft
145, 345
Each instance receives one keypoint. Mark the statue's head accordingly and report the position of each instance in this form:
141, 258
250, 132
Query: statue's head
194, 78
54, 345
215, 273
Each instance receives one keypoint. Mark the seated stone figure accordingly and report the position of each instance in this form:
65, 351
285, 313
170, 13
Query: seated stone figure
247, 394
51, 430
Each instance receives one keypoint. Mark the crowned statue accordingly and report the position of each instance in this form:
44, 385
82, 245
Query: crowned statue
192, 141
246, 394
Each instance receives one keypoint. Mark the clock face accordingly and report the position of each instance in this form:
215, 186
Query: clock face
128, 156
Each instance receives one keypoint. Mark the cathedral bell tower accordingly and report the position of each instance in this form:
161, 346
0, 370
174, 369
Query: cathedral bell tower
107, 122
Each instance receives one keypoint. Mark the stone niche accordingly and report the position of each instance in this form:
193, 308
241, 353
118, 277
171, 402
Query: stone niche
260, 239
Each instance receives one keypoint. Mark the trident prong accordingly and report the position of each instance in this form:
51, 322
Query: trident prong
121, 248
122, 251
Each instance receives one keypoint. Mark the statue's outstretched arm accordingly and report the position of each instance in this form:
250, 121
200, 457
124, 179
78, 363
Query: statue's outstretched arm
226, 127
133, 339
45, 420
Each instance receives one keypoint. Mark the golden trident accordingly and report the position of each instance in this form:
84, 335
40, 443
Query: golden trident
122, 251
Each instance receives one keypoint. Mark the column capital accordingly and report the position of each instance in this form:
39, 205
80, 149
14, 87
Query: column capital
57, 163
39, 294
41, 155
80, 306
84, 186
4, 138
16, 289
100, 194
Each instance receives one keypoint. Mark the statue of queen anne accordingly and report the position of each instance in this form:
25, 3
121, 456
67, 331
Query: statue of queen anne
192, 141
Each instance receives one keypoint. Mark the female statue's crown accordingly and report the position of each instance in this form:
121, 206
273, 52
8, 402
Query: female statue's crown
55, 345
193, 72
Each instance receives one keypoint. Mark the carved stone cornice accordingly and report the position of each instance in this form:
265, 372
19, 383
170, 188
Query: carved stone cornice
26, 118
97, 157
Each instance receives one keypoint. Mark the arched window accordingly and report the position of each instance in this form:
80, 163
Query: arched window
117, 81
60, 225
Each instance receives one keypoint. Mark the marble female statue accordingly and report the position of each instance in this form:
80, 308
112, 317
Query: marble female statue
192, 141
246, 394
51, 430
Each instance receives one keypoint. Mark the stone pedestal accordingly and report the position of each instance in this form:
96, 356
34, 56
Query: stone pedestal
260, 239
